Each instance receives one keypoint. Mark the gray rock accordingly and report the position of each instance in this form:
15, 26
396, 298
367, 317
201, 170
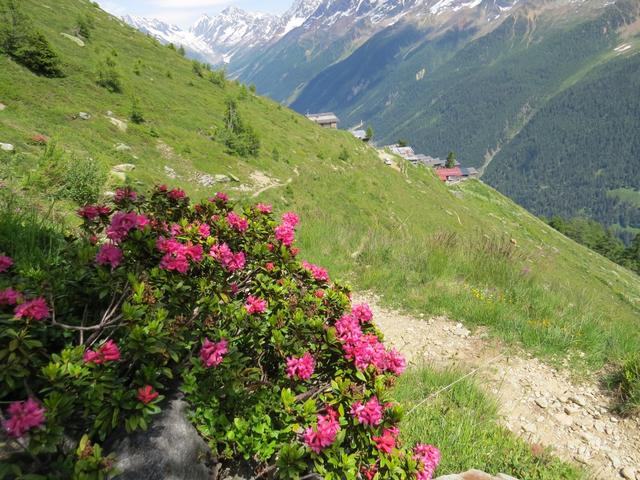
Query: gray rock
449, 477
578, 400
76, 40
7, 147
84, 116
475, 475
542, 402
504, 476
2, 106
120, 124
221, 178
124, 167
121, 147
171, 449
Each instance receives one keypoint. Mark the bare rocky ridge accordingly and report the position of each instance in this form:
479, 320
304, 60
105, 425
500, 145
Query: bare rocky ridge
538, 402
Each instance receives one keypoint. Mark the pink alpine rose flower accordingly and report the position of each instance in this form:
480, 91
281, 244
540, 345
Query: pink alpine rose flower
109, 255
107, 352
204, 230
324, 433
290, 219
220, 196
368, 414
387, 441
123, 194
255, 305
91, 212
9, 297
5, 263
212, 353
237, 222
264, 208
22, 417
319, 273
147, 394
230, 261
122, 223
362, 313
35, 309
302, 367
428, 457
176, 194
285, 233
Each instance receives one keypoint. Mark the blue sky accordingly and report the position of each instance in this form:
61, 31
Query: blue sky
185, 12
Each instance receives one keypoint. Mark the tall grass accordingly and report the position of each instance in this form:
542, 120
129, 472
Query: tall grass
463, 422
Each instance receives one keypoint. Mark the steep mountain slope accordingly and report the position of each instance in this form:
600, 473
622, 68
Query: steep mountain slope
463, 88
166, 34
401, 233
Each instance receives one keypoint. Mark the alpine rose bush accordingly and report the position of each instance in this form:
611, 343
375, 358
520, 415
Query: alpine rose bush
158, 293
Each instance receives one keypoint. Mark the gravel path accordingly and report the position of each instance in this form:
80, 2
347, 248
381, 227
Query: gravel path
538, 402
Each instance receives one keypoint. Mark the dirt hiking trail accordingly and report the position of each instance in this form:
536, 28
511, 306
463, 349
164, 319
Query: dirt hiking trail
536, 401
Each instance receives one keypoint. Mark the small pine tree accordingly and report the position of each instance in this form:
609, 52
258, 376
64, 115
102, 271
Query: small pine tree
137, 67
451, 160
136, 112
84, 26
370, 132
402, 142
197, 68
182, 51
240, 139
344, 155
108, 76
24, 44
252, 88
218, 78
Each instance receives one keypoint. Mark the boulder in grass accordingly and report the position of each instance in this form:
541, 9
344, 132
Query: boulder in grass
7, 147
2, 106
122, 147
124, 167
84, 116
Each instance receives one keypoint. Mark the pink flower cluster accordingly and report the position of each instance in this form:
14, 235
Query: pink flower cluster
147, 394
109, 254
285, 232
35, 309
237, 222
91, 212
107, 352
428, 457
5, 263
23, 416
221, 196
324, 433
387, 441
177, 255
230, 261
255, 305
212, 353
264, 208
123, 194
176, 194
366, 349
362, 313
9, 297
302, 367
122, 223
319, 273
204, 230
370, 413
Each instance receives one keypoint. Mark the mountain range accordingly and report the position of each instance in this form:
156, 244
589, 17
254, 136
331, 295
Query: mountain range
516, 88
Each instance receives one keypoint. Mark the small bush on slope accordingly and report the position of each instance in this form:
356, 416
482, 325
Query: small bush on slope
278, 366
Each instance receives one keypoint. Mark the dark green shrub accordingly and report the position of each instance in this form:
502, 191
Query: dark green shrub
218, 78
84, 26
136, 115
83, 180
24, 44
197, 68
108, 75
628, 383
239, 138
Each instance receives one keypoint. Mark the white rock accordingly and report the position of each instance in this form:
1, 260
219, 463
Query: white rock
121, 147
122, 126
84, 116
542, 402
125, 167
7, 147
628, 473
2, 106
76, 40
578, 400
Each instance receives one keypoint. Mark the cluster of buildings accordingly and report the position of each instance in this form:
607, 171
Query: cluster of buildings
455, 174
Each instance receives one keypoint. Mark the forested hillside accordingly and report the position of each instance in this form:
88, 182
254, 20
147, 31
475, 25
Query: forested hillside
579, 149
545, 97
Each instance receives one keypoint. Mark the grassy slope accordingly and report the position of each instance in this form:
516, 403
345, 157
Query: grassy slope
407, 236
372, 225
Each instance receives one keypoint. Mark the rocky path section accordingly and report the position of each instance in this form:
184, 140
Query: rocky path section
538, 402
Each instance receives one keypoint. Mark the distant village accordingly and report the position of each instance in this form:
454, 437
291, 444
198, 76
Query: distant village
447, 173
